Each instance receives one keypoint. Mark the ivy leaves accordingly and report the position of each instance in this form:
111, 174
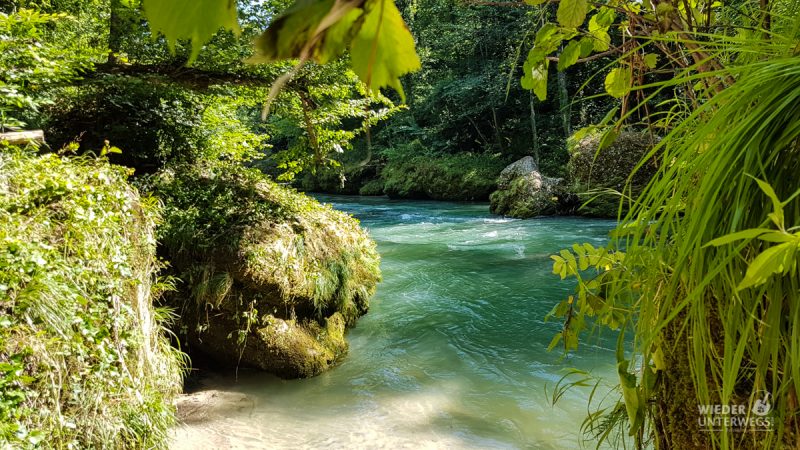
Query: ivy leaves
381, 46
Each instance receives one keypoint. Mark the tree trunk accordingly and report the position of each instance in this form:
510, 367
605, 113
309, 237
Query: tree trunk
564, 105
115, 30
534, 133
23, 137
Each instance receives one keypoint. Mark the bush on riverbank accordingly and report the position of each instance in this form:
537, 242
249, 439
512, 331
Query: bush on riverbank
83, 360
410, 173
271, 277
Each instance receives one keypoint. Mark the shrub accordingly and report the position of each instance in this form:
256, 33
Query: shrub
83, 361
461, 176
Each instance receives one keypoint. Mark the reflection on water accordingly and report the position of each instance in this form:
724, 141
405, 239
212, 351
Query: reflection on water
452, 353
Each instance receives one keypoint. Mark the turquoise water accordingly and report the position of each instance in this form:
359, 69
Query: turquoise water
453, 351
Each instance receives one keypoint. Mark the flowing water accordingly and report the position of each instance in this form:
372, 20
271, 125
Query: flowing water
452, 353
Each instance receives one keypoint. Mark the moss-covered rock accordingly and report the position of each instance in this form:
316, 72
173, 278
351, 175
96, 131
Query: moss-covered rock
523, 192
461, 176
271, 277
598, 178
372, 187
83, 360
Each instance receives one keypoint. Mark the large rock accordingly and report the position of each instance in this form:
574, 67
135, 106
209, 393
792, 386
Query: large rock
596, 177
271, 277
524, 192
84, 362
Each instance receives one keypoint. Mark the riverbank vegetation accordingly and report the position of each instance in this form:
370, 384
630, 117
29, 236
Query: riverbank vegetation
83, 354
678, 118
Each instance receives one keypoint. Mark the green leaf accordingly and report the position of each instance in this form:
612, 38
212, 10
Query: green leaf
197, 20
777, 207
383, 50
618, 82
535, 2
605, 17
572, 13
587, 45
777, 259
296, 33
601, 40
556, 339
609, 137
535, 77
737, 236
651, 60
572, 263
569, 55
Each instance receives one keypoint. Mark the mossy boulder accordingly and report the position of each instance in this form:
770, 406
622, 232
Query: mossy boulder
84, 362
372, 187
460, 177
271, 277
599, 177
523, 192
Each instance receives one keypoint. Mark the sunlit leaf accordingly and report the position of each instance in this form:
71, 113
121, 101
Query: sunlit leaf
737, 236
383, 50
197, 20
569, 55
572, 13
777, 259
651, 60
535, 77
618, 82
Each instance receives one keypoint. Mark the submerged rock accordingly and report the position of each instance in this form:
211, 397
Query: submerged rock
523, 192
271, 278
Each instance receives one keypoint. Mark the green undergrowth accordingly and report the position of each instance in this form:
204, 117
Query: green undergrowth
83, 358
272, 234
461, 176
250, 251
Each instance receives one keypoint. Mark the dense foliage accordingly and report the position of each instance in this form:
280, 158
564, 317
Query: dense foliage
702, 271
83, 361
256, 258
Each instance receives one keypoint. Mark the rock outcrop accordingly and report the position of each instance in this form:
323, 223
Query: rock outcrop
523, 192
597, 178
271, 278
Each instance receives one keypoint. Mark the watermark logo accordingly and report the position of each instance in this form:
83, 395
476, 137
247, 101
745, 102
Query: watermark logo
738, 417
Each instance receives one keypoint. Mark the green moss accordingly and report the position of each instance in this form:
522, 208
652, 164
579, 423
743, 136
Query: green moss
461, 176
253, 254
83, 362
598, 178
523, 200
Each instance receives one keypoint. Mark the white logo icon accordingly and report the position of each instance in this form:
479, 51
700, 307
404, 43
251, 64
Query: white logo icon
761, 407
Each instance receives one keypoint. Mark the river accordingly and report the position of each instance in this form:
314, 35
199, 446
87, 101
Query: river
452, 353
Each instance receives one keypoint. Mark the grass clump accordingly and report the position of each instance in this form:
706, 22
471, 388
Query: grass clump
256, 257
83, 360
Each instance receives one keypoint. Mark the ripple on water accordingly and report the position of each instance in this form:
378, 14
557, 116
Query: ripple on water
452, 353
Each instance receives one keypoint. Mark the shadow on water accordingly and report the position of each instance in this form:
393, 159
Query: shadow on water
452, 353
